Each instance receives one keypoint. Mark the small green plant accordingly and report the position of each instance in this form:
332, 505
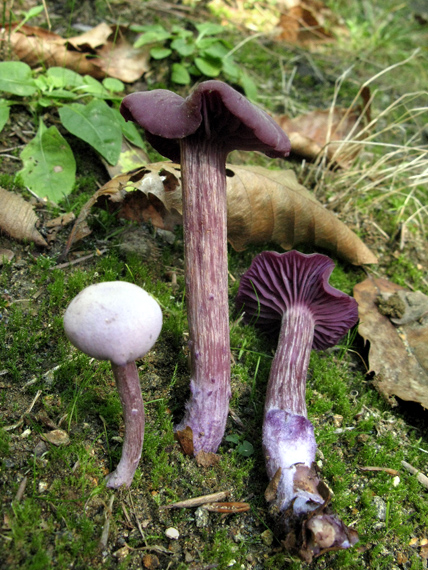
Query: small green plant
244, 448
82, 102
203, 55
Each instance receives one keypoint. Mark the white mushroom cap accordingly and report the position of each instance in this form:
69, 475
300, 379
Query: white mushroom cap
114, 320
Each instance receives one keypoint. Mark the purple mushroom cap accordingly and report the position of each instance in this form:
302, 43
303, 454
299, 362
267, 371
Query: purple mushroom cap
217, 110
277, 281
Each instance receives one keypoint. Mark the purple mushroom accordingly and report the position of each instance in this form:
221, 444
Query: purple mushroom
200, 131
120, 322
290, 292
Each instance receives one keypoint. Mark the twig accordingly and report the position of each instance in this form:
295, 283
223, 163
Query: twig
21, 419
198, 501
79, 260
423, 479
106, 529
21, 489
143, 536
388, 470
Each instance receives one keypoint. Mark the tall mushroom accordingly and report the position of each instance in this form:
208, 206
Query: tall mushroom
199, 132
120, 322
290, 292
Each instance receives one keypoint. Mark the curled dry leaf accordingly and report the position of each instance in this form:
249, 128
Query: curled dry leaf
18, 219
398, 354
263, 206
115, 55
337, 128
36, 46
303, 22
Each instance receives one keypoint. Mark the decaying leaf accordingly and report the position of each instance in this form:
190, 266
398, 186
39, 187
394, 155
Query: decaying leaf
398, 354
115, 55
36, 46
18, 219
337, 128
303, 21
263, 206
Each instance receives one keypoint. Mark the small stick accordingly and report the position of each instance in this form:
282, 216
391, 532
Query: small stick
21, 419
228, 508
384, 469
423, 479
21, 489
198, 501
106, 529
79, 260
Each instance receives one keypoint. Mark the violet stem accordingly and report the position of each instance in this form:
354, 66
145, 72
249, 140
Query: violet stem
287, 380
128, 386
203, 166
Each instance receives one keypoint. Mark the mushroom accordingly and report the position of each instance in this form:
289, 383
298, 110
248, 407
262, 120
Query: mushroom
290, 292
120, 322
199, 132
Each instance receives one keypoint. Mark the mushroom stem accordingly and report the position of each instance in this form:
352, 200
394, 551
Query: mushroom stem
205, 227
128, 386
288, 436
287, 381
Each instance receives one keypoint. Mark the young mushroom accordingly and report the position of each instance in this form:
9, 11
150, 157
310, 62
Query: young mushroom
199, 132
290, 292
120, 322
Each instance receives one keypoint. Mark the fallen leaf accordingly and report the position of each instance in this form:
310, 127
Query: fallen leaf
303, 22
185, 439
337, 128
92, 39
6, 255
57, 437
263, 206
18, 219
103, 51
207, 459
36, 46
397, 354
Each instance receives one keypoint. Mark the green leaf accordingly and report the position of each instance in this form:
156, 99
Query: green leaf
246, 449
93, 86
207, 66
208, 29
233, 438
179, 74
114, 85
160, 52
216, 50
129, 130
183, 47
16, 78
249, 86
230, 69
96, 124
154, 37
181, 32
61, 77
4, 113
49, 165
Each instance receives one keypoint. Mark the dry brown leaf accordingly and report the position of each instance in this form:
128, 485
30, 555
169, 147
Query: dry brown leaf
302, 22
310, 133
397, 355
263, 206
36, 46
92, 39
115, 56
18, 219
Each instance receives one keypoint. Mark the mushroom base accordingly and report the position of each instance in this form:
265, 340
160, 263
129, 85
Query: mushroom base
128, 386
299, 498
